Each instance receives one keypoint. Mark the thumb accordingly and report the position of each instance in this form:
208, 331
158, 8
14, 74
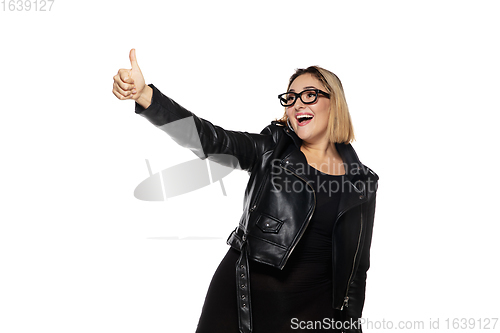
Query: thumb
133, 59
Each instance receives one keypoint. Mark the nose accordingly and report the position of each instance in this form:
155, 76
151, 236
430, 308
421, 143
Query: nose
298, 104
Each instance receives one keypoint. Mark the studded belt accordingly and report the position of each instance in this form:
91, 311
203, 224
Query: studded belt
243, 291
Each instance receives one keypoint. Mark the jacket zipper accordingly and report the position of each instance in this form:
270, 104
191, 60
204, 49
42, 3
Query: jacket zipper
346, 298
308, 219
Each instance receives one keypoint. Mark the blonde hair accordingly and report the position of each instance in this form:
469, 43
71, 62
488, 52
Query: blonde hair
340, 129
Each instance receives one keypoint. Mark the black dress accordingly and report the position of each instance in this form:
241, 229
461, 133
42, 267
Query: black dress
302, 290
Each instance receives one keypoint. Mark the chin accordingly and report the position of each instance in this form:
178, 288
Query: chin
303, 135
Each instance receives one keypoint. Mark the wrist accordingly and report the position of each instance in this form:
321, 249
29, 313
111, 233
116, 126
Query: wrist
146, 97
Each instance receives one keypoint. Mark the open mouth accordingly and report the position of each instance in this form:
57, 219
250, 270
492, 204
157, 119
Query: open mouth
303, 119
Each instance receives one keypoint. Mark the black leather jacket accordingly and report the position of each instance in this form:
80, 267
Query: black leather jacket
274, 219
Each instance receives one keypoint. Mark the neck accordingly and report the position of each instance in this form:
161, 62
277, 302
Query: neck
323, 157
321, 150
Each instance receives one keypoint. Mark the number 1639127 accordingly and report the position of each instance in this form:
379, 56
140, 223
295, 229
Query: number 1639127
26, 5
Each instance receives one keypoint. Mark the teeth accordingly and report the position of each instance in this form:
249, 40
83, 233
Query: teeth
304, 117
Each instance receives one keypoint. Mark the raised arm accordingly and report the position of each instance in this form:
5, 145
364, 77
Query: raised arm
190, 131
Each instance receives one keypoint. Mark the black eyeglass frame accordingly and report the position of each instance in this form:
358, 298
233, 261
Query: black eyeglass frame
299, 95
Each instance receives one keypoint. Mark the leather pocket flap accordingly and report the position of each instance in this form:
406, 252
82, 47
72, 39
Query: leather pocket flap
268, 224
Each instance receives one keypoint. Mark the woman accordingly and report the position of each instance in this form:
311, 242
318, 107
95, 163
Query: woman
301, 249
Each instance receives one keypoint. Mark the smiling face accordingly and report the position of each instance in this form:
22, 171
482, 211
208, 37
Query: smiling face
310, 130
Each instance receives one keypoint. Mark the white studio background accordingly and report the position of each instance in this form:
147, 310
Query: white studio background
79, 253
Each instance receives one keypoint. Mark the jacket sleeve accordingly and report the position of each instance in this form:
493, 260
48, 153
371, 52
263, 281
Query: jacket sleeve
202, 137
358, 284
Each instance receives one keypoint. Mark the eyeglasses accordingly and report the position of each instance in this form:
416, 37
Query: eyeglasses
308, 96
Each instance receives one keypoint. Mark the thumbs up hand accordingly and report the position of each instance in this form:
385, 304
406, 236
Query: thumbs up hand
130, 84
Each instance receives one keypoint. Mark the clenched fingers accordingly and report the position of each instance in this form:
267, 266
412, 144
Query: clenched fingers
122, 94
123, 79
123, 87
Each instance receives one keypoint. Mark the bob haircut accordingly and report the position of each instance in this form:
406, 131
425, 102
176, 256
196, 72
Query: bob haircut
340, 129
